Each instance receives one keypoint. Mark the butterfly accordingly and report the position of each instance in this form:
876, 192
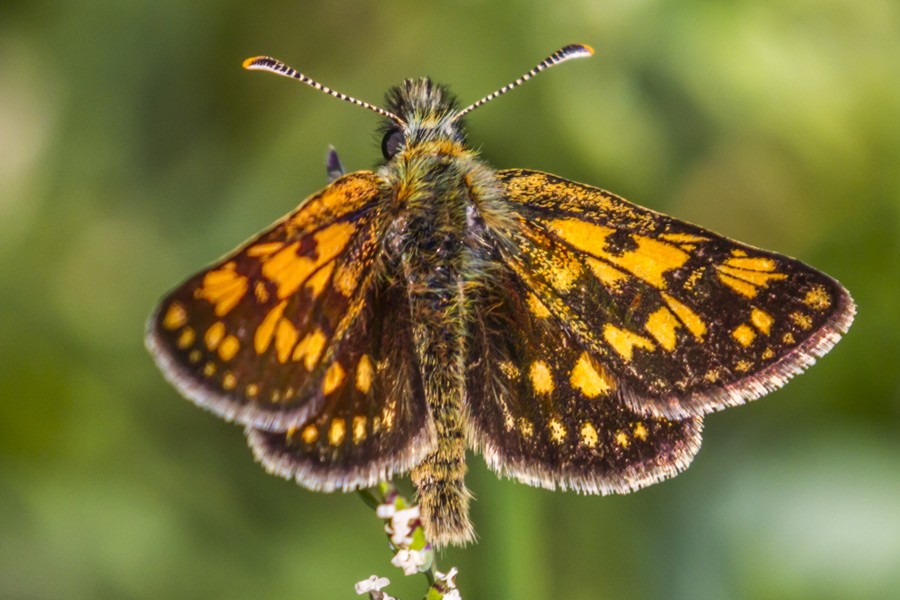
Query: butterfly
401, 316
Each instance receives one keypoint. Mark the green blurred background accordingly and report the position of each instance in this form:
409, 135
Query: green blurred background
134, 149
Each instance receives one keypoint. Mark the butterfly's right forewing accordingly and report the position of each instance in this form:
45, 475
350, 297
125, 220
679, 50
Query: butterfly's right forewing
685, 320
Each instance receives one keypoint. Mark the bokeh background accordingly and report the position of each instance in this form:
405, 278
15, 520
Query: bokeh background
134, 149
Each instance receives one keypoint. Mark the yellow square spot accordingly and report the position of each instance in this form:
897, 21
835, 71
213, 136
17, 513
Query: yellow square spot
817, 298
209, 369
214, 335
525, 427
541, 378
334, 377
186, 338
229, 381
176, 316
337, 431
565, 270
229, 347
713, 375
557, 431
744, 335
622, 439
800, 320
359, 429
640, 432
743, 366
346, 277
761, 320
589, 435
310, 434
364, 374
252, 390
586, 378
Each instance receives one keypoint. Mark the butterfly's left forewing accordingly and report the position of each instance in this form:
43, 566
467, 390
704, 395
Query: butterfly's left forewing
248, 336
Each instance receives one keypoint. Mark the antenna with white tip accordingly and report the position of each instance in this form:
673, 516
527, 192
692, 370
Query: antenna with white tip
561, 55
265, 63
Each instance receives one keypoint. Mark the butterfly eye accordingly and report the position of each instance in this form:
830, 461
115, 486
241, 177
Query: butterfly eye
391, 142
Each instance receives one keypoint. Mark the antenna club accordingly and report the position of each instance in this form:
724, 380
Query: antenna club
258, 62
249, 63
589, 49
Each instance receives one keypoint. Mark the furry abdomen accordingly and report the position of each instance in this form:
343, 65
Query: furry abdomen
435, 203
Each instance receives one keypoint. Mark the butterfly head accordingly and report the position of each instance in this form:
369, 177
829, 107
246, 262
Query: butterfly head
427, 112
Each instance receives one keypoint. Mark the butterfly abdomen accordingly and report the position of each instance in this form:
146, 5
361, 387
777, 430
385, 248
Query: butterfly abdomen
430, 240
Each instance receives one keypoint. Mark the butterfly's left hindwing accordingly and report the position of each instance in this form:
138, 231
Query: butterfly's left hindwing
686, 321
373, 423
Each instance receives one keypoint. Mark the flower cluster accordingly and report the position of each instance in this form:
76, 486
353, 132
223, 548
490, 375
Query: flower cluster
412, 552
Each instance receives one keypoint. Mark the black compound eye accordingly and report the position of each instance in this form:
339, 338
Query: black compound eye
391, 142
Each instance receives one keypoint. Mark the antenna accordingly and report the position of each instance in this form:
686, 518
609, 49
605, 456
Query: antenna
561, 55
265, 63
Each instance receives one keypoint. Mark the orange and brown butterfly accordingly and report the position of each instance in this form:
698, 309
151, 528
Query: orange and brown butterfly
400, 316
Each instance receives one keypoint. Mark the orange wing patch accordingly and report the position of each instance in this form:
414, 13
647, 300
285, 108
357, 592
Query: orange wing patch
747, 275
223, 288
649, 261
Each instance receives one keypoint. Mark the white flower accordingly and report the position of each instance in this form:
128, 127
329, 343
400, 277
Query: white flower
385, 511
372, 584
452, 595
409, 561
400, 527
448, 579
